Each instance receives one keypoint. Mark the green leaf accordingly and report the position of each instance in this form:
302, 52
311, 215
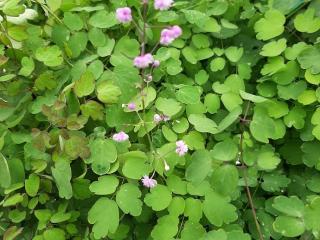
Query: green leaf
13, 200
267, 160
307, 21
312, 213
234, 54
291, 206
27, 66
13, 8
252, 98
218, 210
308, 59
168, 106
312, 78
166, 228
85, 85
193, 209
105, 185
200, 166
229, 119
5, 176
225, 151
272, 25
97, 215
92, 109
103, 19
262, 127
200, 19
50, 56
128, 199
135, 164
61, 173
217, 64
108, 92
274, 182
103, 153
274, 48
159, 198
32, 185
73, 21
202, 123
225, 180
190, 54
231, 101
54, 4
192, 230
289, 226
307, 97
54, 234
97, 37
188, 95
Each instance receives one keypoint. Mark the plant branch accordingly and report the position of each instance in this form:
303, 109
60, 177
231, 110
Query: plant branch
245, 177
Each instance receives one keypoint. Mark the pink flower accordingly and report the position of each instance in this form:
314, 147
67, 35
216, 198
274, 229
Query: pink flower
124, 15
162, 4
145, 1
120, 137
143, 61
176, 31
149, 182
160, 117
156, 63
132, 106
157, 118
182, 148
168, 35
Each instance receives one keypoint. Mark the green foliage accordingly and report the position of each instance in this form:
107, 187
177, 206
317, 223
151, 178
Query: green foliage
240, 87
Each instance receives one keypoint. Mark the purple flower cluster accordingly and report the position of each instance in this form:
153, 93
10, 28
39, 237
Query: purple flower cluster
168, 35
181, 148
149, 182
124, 15
162, 4
120, 137
143, 61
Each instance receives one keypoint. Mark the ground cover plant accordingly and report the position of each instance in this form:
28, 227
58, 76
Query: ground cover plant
159, 120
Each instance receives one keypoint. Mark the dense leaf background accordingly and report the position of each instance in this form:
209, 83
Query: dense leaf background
240, 87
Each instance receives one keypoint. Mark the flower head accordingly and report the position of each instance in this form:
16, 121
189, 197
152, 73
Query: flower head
124, 15
168, 35
143, 61
149, 182
156, 63
120, 137
157, 118
182, 148
160, 117
162, 4
176, 31
132, 106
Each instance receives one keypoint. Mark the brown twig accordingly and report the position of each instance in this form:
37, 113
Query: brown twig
245, 177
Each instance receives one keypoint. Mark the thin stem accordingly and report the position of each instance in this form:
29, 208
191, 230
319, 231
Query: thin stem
137, 26
155, 47
245, 177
